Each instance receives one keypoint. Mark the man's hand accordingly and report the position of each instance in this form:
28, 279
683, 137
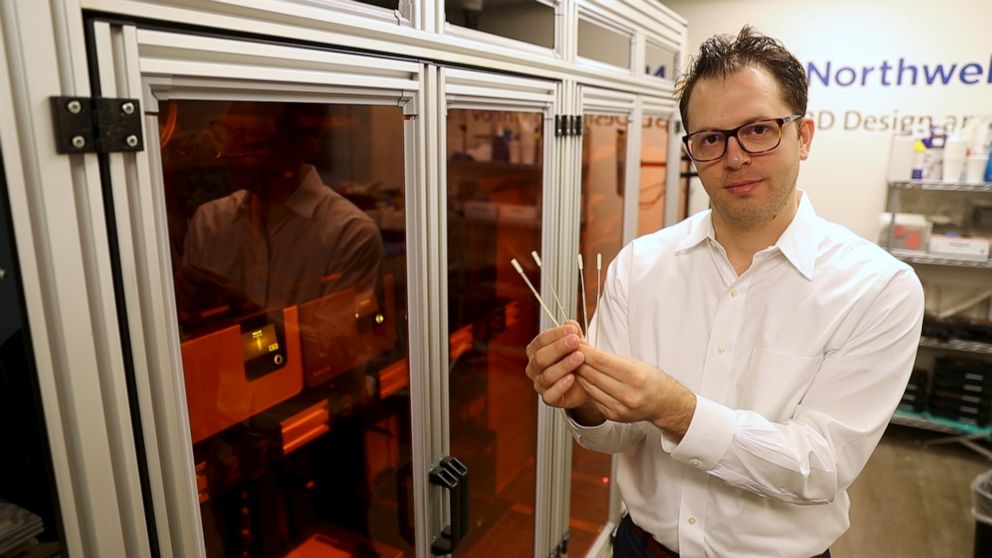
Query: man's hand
552, 357
628, 390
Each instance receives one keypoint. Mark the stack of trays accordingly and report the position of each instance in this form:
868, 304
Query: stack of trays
962, 390
915, 397
18, 527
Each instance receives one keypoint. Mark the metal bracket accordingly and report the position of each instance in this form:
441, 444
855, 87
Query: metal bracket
96, 125
578, 130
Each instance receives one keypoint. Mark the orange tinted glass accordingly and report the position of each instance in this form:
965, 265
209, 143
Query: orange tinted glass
286, 227
494, 215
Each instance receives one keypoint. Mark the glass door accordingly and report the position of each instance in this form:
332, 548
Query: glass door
267, 224
288, 242
30, 516
495, 192
494, 202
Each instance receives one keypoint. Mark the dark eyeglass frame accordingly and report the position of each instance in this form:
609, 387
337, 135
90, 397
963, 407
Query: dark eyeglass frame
732, 132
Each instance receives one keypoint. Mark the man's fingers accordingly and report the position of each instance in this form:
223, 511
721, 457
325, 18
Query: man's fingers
555, 352
575, 324
601, 380
552, 374
555, 395
550, 336
603, 400
608, 364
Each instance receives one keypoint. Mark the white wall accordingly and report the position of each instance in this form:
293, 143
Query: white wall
845, 174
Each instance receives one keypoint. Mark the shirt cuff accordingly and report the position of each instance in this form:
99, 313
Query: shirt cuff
710, 433
588, 433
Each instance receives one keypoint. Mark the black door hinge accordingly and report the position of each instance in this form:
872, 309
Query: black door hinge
568, 125
96, 125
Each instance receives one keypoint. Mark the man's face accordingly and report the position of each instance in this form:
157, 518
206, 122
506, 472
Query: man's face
256, 150
748, 190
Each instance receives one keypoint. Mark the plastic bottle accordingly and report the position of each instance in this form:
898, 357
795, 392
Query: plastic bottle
901, 157
919, 156
988, 167
955, 151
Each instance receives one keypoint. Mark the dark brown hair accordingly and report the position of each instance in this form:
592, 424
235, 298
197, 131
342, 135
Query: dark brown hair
723, 55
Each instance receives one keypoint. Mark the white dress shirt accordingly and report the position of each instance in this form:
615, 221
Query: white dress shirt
314, 243
797, 364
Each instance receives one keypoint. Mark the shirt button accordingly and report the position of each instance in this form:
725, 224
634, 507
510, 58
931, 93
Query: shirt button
733, 292
695, 463
692, 520
721, 350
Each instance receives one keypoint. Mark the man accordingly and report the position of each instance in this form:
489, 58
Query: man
749, 357
284, 238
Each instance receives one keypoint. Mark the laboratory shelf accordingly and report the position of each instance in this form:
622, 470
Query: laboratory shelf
973, 347
923, 258
941, 186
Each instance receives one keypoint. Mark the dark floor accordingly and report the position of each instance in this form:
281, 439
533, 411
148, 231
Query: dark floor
913, 499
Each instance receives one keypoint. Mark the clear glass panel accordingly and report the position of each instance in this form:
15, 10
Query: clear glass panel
494, 215
289, 252
660, 61
603, 44
529, 21
604, 160
30, 519
654, 155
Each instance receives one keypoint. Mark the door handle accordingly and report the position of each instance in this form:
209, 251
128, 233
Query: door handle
452, 474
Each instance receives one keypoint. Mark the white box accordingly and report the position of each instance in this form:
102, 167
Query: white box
971, 248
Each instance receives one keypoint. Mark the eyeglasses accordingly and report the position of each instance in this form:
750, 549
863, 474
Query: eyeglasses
754, 138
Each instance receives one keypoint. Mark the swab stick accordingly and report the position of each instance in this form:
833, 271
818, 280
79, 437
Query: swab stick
537, 260
599, 279
520, 270
582, 280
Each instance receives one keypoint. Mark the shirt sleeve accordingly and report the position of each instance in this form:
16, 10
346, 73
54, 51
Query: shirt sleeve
817, 454
609, 331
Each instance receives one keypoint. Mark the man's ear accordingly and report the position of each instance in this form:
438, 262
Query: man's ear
806, 129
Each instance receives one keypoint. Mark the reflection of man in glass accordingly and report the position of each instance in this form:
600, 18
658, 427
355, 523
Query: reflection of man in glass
283, 238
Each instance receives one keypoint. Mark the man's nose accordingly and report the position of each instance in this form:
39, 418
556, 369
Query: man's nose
735, 157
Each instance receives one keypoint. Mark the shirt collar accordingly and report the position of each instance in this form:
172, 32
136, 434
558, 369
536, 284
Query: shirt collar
303, 201
798, 242
305, 198
700, 229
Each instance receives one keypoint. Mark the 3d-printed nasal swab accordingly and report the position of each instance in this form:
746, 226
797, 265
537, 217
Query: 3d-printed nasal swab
582, 280
537, 260
520, 270
599, 279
